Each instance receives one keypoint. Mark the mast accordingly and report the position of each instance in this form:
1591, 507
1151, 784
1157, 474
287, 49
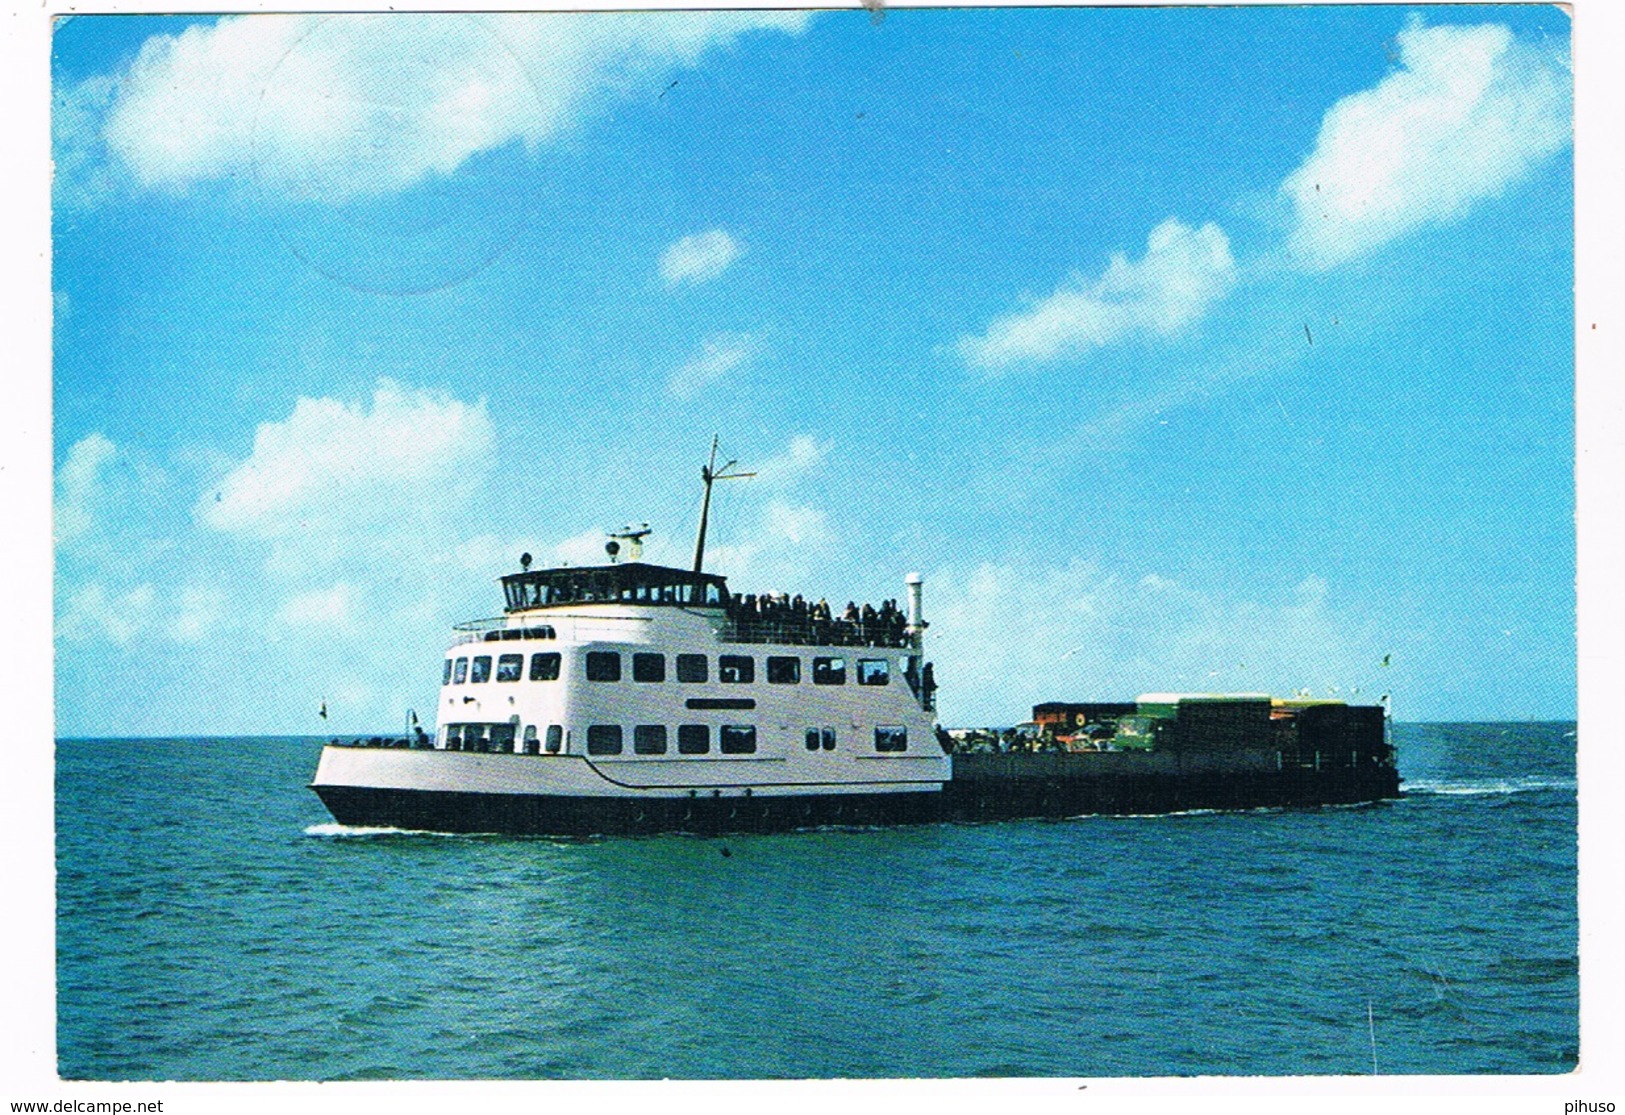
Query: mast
708, 473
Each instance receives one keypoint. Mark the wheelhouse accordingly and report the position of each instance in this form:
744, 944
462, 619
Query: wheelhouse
628, 583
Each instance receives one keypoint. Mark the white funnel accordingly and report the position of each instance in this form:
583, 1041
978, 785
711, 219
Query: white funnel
916, 617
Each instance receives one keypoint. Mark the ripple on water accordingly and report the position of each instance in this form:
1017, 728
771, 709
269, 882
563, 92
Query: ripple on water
269, 942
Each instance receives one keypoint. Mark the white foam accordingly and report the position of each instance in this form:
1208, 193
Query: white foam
332, 828
1485, 787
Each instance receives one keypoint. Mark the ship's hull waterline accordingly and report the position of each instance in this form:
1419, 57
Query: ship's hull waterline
984, 788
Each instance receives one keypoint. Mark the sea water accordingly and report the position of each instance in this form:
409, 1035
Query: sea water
214, 924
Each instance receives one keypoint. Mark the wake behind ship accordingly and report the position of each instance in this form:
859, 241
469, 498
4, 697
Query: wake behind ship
632, 697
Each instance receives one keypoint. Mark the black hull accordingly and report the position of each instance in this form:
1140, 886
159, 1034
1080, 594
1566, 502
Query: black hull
973, 796
557, 815
1008, 798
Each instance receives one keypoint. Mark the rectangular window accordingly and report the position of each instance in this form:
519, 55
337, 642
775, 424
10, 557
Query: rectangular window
461, 674
474, 738
783, 669
502, 738
692, 667
829, 671
544, 666
891, 737
812, 739
481, 671
454, 737
555, 739
648, 667
604, 739
533, 746
737, 739
693, 739
510, 666
828, 739
649, 739
873, 671
736, 668
603, 665
445, 678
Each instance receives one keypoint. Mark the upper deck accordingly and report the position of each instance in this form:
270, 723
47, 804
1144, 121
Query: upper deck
749, 618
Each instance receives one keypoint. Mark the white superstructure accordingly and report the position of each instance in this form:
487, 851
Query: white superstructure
645, 682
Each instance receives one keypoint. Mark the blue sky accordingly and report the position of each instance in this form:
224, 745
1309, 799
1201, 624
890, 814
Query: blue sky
1197, 349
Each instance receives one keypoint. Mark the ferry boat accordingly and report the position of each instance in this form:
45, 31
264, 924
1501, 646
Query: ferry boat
633, 697
630, 697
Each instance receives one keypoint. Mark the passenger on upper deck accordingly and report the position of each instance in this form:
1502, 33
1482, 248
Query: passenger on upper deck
779, 617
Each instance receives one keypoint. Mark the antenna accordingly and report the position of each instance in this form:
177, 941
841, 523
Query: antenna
632, 536
708, 474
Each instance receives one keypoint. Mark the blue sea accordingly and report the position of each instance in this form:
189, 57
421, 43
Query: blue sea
214, 924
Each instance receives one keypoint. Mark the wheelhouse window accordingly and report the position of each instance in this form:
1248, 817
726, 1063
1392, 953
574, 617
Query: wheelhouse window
510, 666
812, 739
460, 675
555, 739
783, 669
737, 739
692, 667
636, 584
454, 737
502, 737
604, 665
891, 737
544, 666
693, 739
649, 739
533, 746
445, 678
826, 738
482, 670
736, 668
873, 671
474, 738
648, 667
604, 739
829, 671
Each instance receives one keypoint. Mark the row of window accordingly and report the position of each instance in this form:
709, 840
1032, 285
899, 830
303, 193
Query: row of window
692, 739
647, 739
605, 665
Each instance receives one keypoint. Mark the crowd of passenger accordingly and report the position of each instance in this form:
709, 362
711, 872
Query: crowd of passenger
781, 618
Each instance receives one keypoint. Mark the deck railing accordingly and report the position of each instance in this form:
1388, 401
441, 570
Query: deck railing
497, 630
801, 631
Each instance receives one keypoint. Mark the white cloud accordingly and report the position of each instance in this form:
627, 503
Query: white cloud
494, 555
79, 486
795, 524
334, 606
334, 107
698, 258
772, 541
718, 354
81, 175
198, 611
1469, 112
804, 453
1183, 272
93, 613
352, 694
337, 477
1088, 635
586, 548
